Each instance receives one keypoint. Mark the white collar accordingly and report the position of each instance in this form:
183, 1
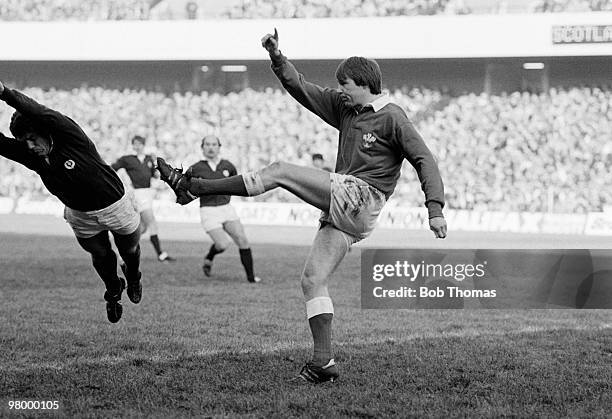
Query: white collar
213, 164
380, 102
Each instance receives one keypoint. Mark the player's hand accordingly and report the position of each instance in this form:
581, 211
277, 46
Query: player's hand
270, 43
438, 226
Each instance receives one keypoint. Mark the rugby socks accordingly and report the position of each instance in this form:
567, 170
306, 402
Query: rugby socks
246, 257
106, 267
212, 252
320, 312
132, 263
248, 184
156, 245
233, 185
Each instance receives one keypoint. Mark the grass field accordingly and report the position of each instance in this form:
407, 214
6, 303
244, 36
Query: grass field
223, 347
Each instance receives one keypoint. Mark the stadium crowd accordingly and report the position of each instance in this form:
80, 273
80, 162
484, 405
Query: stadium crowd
253, 9
516, 152
63, 10
554, 6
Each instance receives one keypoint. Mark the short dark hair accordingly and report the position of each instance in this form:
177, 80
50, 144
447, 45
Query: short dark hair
363, 71
21, 125
317, 156
139, 138
210, 135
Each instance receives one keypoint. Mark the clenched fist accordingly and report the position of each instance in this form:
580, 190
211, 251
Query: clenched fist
270, 43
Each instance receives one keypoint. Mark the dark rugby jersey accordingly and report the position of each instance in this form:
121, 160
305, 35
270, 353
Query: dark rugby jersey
372, 144
140, 172
224, 169
76, 173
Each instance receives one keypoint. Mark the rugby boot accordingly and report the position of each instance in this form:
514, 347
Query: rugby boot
315, 374
164, 257
114, 309
207, 267
134, 287
177, 180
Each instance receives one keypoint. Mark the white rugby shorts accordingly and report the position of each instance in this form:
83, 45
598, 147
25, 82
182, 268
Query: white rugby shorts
144, 198
354, 207
122, 217
212, 218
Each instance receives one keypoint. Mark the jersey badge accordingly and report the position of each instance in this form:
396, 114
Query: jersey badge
368, 140
69, 164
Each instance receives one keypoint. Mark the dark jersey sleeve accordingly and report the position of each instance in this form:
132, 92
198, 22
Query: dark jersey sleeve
418, 154
119, 164
326, 103
16, 150
233, 171
195, 169
44, 117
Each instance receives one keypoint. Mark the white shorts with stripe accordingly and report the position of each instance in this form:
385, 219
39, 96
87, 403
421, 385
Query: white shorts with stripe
122, 217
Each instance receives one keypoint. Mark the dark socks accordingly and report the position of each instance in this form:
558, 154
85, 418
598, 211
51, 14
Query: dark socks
320, 326
233, 185
132, 262
106, 267
156, 245
212, 252
246, 257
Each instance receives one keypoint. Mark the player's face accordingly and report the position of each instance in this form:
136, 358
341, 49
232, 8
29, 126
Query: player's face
353, 94
138, 147
210, 148
37, 144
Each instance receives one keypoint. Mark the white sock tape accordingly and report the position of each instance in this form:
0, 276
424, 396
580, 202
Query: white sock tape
253, 183
319, 305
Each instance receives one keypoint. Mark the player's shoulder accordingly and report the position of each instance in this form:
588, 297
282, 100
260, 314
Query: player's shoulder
226, 162
395, 111
396, 116
199, 165
125, 158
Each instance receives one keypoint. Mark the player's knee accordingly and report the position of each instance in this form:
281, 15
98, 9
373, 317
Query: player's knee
128, 244
153, 230
100, 252
221, 246
275, 168
242, 242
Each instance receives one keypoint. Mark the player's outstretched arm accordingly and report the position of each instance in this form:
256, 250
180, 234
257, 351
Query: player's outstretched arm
34, 110
15, 150
324, 102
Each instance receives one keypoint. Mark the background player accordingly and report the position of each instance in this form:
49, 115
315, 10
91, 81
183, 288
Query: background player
375, 136
217, 215
140, 168
57, 149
